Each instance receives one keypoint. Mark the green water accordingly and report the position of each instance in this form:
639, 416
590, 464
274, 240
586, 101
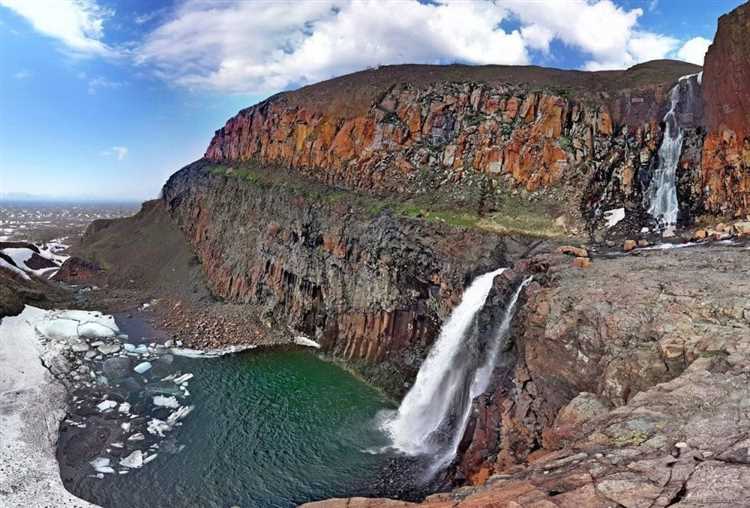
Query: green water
269, 429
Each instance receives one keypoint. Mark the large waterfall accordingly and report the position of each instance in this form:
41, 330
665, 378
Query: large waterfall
433, 415
662, 192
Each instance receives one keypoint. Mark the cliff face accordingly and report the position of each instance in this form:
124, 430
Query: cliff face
587, 138
620, 388
372, 289
726, 95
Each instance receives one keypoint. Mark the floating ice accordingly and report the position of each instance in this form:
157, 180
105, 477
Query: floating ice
106, 405
133, 461
124, 408
95, 330
139, 349
142, 367
101, 465
182, 379
301, 340
158, 427
179, 414
162, 401
58, 329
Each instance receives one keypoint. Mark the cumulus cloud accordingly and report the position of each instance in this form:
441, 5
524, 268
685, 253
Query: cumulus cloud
77, 24
118, 151
253, 46
606, 33
694, 50
249, 46
241, 46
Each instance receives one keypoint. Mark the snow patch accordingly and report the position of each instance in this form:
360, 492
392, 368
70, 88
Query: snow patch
301, 340
614, 216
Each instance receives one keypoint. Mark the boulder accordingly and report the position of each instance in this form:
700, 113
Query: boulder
629, 245
116, 368
742, 228
582, 262
699, 234
574, 251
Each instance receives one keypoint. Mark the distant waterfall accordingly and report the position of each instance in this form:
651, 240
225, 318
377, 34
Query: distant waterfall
433, 416
662, 192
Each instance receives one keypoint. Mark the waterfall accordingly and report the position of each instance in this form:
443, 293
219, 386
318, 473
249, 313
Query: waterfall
662, 192
433, 416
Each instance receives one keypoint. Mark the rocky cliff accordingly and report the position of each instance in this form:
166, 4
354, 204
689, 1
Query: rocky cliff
371, 286
584, 139
625, 386
726, 95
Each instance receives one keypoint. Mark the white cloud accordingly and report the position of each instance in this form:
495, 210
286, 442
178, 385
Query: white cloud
237, 46
694, 50
118, 151
606, 33
22, 74
250, 46
78, 24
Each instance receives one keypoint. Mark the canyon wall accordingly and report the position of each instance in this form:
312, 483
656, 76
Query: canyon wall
586, 140
371, 287
726, 96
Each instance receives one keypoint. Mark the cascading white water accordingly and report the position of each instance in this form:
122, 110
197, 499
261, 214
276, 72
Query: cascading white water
662, 192
433, 416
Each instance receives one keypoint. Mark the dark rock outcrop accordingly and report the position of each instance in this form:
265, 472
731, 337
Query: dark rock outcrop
372, 288
76, 270
627, 389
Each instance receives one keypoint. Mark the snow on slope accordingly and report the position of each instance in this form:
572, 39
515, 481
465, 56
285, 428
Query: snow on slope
25, 259
33, 403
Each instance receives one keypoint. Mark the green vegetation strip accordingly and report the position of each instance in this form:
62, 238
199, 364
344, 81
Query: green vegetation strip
513, 215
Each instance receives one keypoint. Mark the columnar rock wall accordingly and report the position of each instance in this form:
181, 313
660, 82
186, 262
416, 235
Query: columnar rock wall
589, 138
726, 95
372, 290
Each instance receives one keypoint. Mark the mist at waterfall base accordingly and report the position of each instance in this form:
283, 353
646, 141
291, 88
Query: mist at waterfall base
432, 418
662, 191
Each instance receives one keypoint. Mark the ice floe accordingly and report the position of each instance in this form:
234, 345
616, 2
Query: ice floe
301, 340
106, 405
142, 367
133, 461
209, 353
101, 465
169, 402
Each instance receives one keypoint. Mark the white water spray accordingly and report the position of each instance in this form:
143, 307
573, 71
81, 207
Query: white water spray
432, 417
662, 191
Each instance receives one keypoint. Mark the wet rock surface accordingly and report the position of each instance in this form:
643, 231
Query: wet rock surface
628, 388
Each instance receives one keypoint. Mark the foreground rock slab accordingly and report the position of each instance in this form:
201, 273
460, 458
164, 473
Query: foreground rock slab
32, 403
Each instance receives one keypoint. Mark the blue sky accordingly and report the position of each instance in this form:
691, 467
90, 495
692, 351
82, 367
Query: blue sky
106, 99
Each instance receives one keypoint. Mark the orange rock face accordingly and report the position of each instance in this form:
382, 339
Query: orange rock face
533, 138
726, 95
